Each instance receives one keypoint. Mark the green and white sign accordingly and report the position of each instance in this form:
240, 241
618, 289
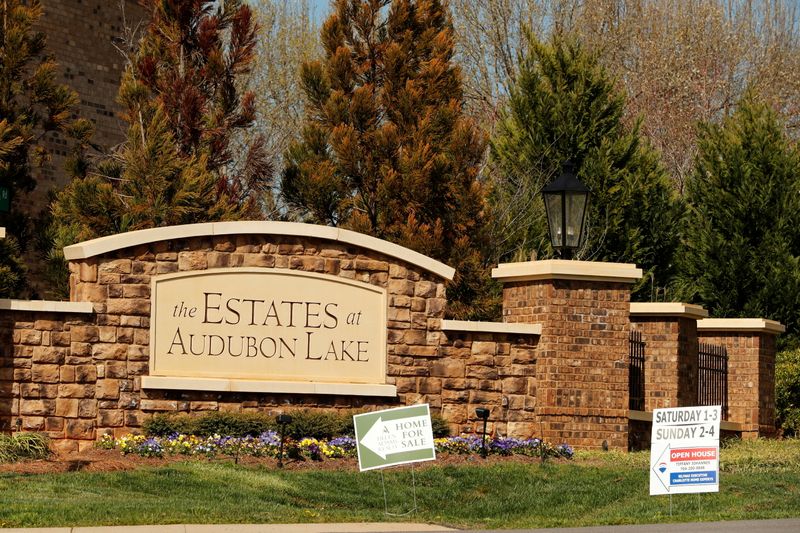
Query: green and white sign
394, 437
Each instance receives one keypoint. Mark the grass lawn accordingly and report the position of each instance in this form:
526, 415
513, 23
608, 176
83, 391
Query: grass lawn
758, 480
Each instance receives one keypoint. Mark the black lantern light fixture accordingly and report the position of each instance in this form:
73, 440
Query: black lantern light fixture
483, 414
283, 420
566, 200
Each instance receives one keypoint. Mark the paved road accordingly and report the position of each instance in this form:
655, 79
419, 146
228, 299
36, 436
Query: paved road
744, 526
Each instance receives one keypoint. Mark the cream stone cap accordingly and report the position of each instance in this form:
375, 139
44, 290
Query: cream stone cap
278, 387
758, 325
564, 269
675, 309
46, 306
129, 239
512, 328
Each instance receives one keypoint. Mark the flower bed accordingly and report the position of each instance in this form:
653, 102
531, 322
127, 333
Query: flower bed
268, 445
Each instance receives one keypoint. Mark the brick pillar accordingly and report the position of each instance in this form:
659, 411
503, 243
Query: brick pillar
750, 343
582, 363
669, 330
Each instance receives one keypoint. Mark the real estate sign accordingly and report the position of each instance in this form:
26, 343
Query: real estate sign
684, 450
394, 437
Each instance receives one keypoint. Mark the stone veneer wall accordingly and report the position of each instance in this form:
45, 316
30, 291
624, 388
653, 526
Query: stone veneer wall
492, 370
47, 381
77, 377
581, 367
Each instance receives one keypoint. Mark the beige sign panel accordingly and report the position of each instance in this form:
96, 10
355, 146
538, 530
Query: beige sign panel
259, 324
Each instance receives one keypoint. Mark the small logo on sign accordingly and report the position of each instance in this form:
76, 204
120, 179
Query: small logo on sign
662, 467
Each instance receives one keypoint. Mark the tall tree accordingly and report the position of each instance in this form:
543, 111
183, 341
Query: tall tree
678, 61
565, 107
289, 37
684, 61
386, 149
181, 99
32, 105
741, 248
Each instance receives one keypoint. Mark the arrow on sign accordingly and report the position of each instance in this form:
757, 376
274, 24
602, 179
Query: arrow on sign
395, 436
659, 471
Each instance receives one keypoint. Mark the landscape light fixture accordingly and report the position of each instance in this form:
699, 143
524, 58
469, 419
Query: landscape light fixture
283, 420
566, 200
483, 414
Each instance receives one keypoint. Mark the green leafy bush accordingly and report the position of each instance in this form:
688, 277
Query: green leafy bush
23, 446
439, 427
320, 424
787, 391
307, 423
219, 423
233, 424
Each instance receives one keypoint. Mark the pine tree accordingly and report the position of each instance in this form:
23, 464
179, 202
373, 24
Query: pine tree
32, 105
386, 149
565, 107
180, 97
740, 253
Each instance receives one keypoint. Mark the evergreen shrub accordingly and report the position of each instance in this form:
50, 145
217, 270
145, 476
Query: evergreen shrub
787, 391
305, 424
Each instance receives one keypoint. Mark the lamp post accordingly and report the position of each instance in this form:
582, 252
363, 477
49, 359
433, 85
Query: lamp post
282, 420
483, 414
566, 200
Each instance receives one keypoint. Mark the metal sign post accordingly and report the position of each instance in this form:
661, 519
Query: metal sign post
394, 437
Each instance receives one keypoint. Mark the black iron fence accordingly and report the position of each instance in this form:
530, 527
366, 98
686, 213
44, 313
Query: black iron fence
712, 382
636, 371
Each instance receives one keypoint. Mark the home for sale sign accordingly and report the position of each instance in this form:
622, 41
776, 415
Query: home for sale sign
684, 450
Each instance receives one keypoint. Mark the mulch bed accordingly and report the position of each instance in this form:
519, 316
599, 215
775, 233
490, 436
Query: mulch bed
97, 460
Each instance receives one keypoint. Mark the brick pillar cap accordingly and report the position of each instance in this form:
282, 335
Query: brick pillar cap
737, 325
668, 309
563, 269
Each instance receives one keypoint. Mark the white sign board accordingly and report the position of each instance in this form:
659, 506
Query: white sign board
684, 450
394, 437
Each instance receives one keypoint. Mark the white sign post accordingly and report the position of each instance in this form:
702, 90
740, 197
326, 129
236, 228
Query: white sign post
684, 450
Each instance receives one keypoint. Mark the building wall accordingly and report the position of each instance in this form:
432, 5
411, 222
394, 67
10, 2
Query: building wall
80, 37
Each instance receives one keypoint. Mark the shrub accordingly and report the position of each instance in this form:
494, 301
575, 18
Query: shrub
23, 446
787, 391
213, 423
162, 425
440, 428
305, 423
319, 425
233, 424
